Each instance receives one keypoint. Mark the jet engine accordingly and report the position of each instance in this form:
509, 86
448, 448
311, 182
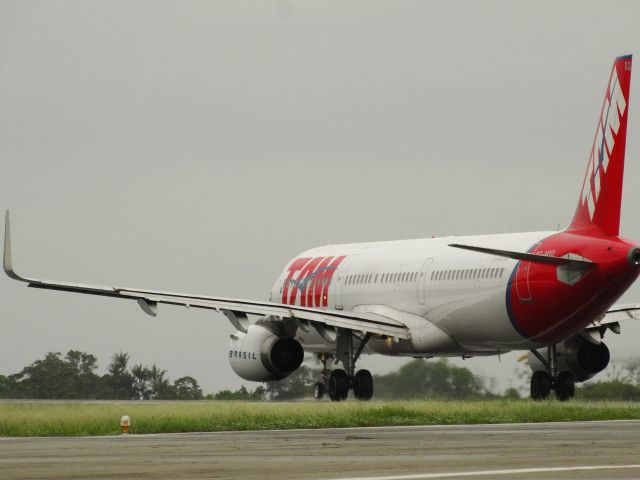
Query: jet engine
576, 355
261, 356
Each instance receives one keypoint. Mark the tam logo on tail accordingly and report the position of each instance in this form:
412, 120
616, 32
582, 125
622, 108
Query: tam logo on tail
599, 204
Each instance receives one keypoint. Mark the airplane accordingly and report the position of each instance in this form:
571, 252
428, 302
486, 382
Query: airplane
551, 294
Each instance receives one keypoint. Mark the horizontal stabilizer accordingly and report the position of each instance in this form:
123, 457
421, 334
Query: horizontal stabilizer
528, 257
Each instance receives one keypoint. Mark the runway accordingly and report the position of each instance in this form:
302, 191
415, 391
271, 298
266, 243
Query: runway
521, 451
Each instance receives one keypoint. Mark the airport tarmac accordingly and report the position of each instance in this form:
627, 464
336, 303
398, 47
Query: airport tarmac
520, 451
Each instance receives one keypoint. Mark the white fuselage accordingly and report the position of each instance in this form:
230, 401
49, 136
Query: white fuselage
453, 301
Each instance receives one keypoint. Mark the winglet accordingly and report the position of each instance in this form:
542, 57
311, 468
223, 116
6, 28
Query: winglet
7, 263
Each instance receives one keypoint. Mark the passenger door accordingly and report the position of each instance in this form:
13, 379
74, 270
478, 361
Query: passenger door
422, 281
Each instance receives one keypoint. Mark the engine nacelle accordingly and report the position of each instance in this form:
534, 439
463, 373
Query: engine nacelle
261, 356
576, 355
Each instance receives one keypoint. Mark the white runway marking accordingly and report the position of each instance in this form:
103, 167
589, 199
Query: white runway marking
418, 476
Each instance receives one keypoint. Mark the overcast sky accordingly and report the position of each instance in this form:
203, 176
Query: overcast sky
197, 146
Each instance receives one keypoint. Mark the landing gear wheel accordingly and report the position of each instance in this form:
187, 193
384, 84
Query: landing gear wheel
338, 385
318, 391
565, 386
363, 385
540, 385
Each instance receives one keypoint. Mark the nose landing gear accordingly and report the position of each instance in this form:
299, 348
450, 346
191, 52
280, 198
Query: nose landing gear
338, 382
542, 382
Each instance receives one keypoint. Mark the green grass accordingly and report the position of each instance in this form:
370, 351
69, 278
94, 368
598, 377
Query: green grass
77, 418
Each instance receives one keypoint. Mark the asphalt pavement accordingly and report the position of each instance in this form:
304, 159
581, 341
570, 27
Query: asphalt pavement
520, 451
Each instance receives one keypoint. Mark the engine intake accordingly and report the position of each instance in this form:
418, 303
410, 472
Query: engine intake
261, 356
576, 355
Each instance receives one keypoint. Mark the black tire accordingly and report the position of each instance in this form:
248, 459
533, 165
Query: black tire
565, 386
338, 385
363, 385
540, 385
318, 391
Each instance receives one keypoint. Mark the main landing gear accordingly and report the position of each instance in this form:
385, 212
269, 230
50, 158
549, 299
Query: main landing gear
338, 382
542, 382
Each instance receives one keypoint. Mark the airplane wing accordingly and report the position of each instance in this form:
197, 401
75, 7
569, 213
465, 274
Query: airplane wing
622, 311
611, 321
236, 310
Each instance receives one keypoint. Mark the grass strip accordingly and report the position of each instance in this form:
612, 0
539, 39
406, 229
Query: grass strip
20, 419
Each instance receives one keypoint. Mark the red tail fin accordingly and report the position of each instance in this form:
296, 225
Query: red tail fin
599, 204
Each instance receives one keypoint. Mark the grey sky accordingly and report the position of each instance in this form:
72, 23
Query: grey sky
197, 146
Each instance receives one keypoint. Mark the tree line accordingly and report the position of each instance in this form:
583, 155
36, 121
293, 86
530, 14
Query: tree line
73, 376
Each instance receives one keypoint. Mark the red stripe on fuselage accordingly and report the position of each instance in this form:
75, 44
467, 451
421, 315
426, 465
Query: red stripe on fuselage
329, 276
314, 287
297, 265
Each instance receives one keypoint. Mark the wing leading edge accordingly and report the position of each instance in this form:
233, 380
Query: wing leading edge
232, 308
